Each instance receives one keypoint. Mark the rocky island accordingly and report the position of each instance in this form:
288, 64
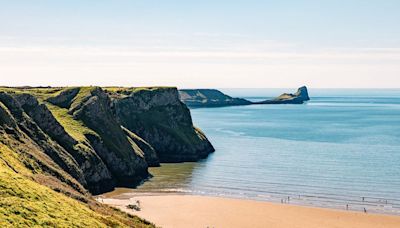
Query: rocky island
197, 98
61, 145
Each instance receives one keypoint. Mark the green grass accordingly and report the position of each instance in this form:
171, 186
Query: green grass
25, 203
40, 93
75, 128
126, 91
82, 94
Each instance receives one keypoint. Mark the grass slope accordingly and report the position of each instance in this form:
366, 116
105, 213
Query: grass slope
26, 203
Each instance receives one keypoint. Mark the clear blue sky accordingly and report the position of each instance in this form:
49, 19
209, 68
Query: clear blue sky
201, 43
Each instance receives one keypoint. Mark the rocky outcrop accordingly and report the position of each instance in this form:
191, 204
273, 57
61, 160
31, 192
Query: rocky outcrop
198, 98
288, 98
161, 119
209, 98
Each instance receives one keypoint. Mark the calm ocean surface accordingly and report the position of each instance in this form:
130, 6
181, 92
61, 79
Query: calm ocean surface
342, 147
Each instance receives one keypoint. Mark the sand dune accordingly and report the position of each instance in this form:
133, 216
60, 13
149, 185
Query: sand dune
203, 211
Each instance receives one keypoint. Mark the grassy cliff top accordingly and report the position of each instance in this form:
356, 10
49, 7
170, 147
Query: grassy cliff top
118, 92
43, 93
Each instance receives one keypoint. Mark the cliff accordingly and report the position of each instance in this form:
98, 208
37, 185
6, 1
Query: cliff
162, 120
197, 98
64, 144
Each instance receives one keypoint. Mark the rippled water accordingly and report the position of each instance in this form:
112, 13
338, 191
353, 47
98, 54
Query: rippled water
335, 150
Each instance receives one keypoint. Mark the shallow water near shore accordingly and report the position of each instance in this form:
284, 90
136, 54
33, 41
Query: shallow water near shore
341, 149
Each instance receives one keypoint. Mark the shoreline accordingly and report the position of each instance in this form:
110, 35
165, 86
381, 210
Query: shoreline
181, 210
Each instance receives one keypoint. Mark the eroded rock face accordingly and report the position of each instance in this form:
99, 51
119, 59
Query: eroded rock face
126, 165
26, 129
95, 175
146, 149
162, 120
44, 118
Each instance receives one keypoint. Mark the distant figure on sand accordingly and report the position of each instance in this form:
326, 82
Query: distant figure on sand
347, 207
365, 210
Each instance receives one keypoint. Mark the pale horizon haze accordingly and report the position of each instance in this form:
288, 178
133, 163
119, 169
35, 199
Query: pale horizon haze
201, 44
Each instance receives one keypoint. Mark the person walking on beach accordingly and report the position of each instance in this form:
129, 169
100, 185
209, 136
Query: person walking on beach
347, 207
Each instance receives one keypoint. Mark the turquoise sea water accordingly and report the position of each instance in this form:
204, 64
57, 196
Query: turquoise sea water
342, 147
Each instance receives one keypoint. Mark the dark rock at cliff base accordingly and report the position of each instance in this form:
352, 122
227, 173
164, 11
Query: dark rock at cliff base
209, 98
161, 119
288, 98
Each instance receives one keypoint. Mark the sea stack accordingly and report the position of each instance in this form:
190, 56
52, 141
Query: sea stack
302, 93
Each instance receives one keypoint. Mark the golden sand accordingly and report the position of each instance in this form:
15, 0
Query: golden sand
203, 211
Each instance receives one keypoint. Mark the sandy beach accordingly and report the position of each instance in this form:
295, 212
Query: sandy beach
203, 211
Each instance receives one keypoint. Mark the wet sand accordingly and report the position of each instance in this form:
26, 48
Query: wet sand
204, 211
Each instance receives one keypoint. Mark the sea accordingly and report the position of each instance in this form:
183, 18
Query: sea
339, 150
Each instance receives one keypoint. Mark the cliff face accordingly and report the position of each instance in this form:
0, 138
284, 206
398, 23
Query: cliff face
209, 98
162, 120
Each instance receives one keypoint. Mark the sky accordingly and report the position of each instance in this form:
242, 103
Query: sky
201, 44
